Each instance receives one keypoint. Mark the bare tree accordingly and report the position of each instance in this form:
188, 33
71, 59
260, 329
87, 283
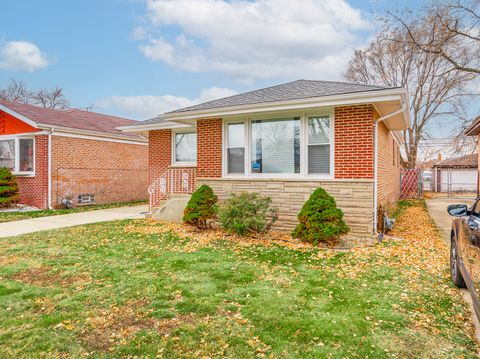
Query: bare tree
435, 90
17, 91
52, 99
454, 32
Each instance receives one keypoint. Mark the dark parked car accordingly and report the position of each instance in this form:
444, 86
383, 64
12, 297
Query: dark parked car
465, 249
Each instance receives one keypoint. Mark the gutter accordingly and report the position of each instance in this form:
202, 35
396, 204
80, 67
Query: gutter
49, 159
333, 100
89, 133
375, 173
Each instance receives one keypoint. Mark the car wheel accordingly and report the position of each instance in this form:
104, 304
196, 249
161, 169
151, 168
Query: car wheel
457, 278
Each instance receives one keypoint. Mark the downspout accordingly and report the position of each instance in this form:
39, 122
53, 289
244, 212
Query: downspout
375, 164
49, 158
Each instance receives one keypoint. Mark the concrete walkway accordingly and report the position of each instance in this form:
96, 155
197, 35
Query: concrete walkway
16, 228
437, 208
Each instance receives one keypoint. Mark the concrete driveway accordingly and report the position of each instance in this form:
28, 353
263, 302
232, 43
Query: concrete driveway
16, 228
437, 208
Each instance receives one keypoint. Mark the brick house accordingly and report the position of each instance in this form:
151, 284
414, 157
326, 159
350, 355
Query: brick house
285, 141
74, 154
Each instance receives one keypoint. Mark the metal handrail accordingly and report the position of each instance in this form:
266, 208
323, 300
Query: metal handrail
172, 181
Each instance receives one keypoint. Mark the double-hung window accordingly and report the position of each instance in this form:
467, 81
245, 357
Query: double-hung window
185, 148
236, 148
319, 145
17, 154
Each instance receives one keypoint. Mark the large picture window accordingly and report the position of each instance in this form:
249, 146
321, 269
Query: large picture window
17, 154
185, 148
283, 146
276, 146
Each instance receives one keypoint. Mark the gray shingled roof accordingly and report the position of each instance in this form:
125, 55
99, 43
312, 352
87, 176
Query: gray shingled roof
300, 89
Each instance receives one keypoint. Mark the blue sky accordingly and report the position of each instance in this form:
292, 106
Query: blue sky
140, 57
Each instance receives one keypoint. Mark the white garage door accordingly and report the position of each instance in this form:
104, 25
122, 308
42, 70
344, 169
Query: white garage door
459, 180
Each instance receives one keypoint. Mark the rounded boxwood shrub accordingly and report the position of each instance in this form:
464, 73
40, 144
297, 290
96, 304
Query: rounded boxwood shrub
201, 207
320, 219
248, 213
8, 188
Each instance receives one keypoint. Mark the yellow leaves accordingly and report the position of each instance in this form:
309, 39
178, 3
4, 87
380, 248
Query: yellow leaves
66, 324
208, 238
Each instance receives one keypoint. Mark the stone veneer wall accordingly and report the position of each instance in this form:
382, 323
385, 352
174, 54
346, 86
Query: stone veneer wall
354, 197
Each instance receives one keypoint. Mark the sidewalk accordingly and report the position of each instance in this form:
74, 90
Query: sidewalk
16, 228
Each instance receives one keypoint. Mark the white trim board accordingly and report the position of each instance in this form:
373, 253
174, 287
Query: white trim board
297, 104
98, 138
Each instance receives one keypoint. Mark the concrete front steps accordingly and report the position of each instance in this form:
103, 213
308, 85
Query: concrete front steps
170, 209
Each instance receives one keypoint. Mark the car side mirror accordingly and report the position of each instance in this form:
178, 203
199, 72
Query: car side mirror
457, 210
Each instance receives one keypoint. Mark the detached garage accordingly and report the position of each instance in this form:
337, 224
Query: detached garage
458, 174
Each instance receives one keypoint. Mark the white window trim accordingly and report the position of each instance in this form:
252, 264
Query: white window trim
227, 147
331, 143
17, 139
175, 163
303, 147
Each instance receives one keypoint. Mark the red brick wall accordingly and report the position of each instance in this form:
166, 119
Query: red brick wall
388, 167
209, 148
112, 171
354, 145
354, 137
159, 152
34, 190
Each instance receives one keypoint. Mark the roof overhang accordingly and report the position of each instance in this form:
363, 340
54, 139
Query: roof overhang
474, 128
48, 127
76, 131
385, 101
17, 115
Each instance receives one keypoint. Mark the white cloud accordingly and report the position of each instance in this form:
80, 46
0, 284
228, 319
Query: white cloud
255, 39
21, 55
139, 33
147, 106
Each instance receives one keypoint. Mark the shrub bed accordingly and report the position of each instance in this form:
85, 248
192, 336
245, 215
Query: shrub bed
8, 188
248, 213
320, 219
201, 207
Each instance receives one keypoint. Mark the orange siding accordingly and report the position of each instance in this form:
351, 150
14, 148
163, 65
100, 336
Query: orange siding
10, 125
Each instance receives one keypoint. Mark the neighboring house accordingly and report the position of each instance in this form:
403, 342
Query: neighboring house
76, 155
474, 130
285, 141
456, 174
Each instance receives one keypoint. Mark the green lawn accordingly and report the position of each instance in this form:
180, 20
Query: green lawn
131, 288
17, 216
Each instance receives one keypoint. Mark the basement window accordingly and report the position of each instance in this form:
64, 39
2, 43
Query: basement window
18, 155
86, 199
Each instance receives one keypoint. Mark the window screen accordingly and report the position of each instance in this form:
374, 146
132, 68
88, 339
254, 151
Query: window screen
319, 145
236, 148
